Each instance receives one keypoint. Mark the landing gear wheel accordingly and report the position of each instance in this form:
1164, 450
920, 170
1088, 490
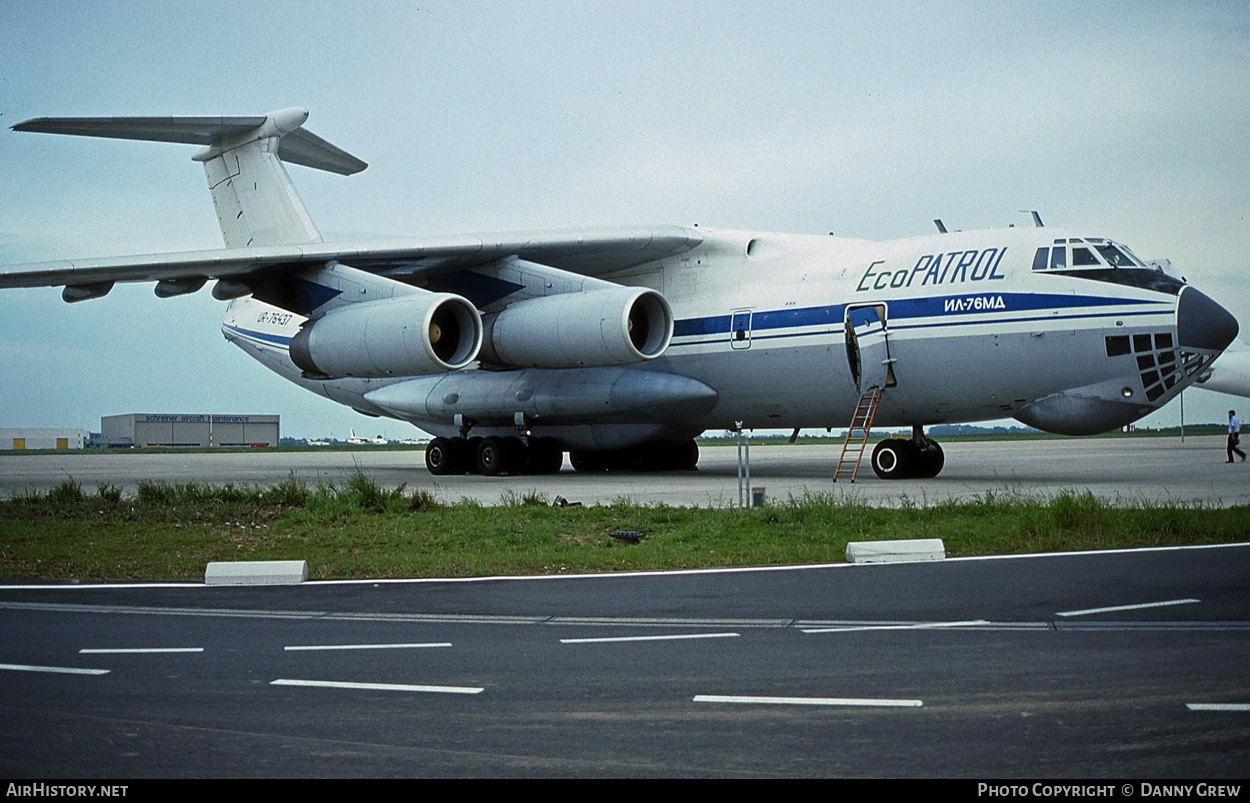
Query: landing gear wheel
545, 456
930, 461
496, 456
686, 456
682, 457
588, 461
445, 456
894, 459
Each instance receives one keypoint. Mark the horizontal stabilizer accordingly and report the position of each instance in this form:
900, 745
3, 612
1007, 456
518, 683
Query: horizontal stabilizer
297, 147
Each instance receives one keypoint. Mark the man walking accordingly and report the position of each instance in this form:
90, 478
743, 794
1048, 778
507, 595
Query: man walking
1234, 436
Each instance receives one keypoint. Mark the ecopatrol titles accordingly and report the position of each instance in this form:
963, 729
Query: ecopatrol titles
933, 269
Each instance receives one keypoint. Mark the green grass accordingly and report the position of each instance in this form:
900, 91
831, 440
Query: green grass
359, 530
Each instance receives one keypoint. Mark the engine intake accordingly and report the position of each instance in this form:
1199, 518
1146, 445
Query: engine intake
613, 326
411, 335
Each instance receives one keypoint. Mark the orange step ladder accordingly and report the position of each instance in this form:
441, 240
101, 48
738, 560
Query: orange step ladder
857, 435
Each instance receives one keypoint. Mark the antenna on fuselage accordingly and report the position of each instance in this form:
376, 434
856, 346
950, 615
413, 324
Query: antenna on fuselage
1037, 219
937, 221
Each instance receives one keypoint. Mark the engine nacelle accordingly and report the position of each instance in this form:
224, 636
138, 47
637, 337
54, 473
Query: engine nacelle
411, 335
612, 326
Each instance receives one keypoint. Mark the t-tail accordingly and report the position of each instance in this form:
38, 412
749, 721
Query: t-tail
243, 157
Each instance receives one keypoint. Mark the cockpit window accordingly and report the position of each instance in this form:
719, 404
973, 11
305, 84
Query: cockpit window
1117, 258
1102, 260
1083, 257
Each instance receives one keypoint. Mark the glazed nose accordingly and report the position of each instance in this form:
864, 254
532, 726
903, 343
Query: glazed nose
1203, 324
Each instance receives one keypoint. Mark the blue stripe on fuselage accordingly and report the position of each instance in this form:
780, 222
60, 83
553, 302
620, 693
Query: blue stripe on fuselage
902, 309
264, 337
832, 316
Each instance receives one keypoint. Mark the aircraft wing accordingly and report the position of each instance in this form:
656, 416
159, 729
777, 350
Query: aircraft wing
589, 252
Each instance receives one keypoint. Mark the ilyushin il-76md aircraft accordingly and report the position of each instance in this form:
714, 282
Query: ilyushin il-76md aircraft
621, 345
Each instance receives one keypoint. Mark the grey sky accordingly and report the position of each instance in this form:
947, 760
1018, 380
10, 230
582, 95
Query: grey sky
1126, 120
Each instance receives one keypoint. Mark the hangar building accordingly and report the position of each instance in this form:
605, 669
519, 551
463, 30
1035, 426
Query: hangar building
30, 438
189, 430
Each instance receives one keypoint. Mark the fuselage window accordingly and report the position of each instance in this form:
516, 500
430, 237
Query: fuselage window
1058, 257
1083, 258
1041, 259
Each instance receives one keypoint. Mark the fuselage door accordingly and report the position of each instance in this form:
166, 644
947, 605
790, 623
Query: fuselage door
740, 329
868, 348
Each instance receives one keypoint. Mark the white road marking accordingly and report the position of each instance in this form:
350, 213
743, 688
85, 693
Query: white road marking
837, 701
646, 638
1116, 608
915, 626
308, 647
1218, 706
341, 684
63, 670
136, 650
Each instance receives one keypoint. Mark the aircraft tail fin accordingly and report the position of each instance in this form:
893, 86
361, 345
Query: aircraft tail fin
243, 159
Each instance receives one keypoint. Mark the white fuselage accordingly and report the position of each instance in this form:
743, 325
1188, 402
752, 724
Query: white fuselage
972, 332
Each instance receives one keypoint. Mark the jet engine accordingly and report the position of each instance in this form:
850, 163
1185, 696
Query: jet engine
411, 335
611, 326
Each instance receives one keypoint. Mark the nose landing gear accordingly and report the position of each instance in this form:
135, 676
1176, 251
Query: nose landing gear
918, 458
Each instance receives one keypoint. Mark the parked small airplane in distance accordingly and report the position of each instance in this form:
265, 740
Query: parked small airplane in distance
621, 345
356, 440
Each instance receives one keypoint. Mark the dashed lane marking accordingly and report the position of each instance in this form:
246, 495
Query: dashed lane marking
136, 650
831, 701
414, 646
1118, 608
61, 670
676, 637
342, 684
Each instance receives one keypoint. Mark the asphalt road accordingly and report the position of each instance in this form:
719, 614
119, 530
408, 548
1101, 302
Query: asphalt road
1117, 469
1094, 665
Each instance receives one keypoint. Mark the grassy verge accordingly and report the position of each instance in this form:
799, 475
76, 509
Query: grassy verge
358, 530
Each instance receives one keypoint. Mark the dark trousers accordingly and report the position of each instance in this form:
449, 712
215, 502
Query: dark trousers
1233, 440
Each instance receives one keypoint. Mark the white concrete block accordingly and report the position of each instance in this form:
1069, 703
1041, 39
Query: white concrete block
895, 551
256, 573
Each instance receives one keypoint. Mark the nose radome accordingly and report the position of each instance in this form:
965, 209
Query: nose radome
1203, 324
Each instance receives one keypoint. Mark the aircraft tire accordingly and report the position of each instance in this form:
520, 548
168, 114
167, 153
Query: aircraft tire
587, 461
682, 457
495, 456
685, 456
893, 459
545, 456
930, 461
442, 457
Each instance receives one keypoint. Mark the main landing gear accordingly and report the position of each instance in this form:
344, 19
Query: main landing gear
918, 458
682, 457
493, 456
496, 455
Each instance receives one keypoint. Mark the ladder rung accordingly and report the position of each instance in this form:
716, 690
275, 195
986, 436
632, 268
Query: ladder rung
857, 435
